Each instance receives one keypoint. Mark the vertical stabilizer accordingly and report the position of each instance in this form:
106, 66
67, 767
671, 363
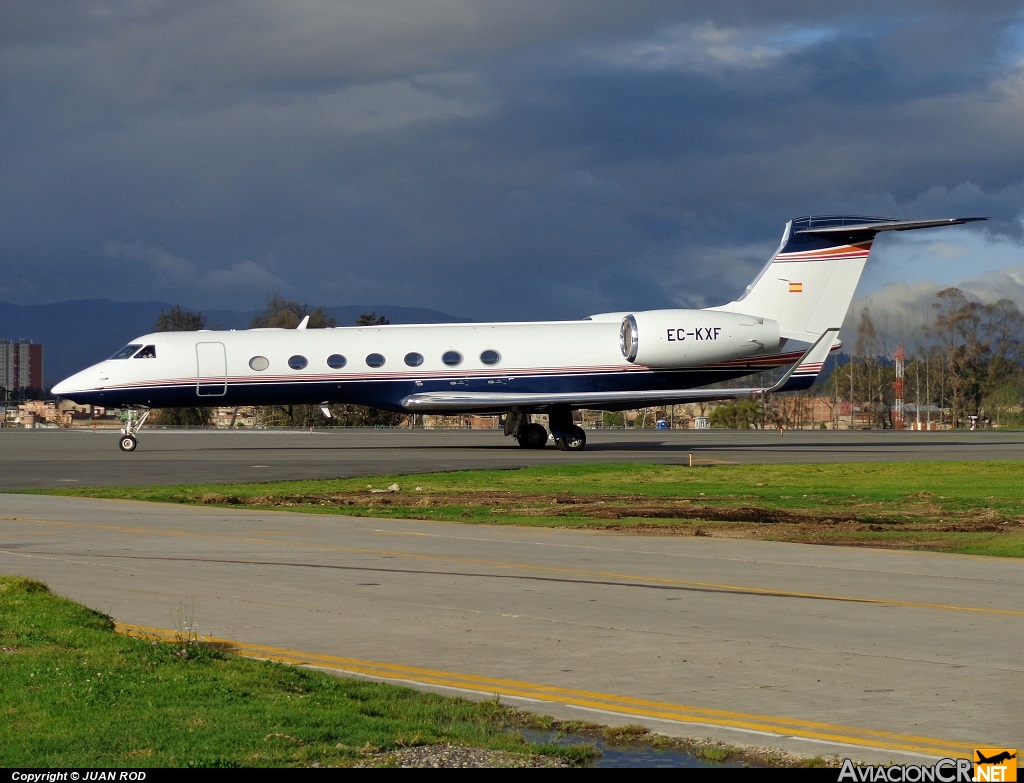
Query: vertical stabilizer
808, 284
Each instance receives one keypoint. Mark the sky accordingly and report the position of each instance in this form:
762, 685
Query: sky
501, 159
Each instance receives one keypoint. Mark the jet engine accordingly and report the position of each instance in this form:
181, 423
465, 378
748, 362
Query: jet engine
692, 338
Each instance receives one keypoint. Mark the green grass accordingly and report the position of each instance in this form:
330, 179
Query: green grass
74, 693
955, 485
971, 508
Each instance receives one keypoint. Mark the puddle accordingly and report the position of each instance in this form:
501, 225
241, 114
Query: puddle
624, 756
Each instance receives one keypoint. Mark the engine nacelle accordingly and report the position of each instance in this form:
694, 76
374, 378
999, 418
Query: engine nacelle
692, 338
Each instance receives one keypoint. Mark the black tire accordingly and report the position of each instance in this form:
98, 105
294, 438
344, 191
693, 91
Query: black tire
533, 436
128, 443
575, 440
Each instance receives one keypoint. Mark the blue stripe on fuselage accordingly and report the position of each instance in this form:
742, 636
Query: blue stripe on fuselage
389, 393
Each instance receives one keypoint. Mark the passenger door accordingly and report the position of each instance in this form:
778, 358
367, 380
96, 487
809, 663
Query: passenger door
212, 370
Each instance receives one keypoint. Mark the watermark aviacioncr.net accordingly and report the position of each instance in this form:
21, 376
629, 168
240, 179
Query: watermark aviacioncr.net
989, 765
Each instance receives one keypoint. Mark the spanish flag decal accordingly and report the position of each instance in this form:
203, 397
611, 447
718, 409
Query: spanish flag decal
796, 288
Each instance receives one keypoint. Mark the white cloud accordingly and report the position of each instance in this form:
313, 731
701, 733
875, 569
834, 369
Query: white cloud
165, 267
710, 46
901, 312
170, 275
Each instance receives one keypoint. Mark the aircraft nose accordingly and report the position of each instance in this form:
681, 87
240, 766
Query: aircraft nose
79, 382
63, 387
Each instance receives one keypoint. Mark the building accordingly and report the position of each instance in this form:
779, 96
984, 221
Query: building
21, 365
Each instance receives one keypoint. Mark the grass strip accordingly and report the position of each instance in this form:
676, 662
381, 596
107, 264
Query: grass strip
969, 508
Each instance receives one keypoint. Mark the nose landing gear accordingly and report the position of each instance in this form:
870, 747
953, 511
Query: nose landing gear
133, 421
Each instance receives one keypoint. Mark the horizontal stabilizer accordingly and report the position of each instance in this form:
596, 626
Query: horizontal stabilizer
861, 226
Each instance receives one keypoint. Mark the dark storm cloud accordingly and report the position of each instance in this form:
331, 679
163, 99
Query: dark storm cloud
489, 159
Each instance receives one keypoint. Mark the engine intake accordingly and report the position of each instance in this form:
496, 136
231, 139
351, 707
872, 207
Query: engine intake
692, 338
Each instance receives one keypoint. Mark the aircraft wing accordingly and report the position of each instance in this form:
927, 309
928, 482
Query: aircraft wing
800, 375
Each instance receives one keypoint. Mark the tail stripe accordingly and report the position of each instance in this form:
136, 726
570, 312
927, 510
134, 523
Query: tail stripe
828, 253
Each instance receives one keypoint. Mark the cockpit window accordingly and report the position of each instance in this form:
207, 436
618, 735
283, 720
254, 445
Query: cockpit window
127, 351
149, 352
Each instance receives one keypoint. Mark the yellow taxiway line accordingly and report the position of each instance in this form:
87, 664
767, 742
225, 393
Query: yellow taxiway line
603, 702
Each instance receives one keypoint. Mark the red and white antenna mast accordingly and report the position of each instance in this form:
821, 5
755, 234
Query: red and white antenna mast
898, 387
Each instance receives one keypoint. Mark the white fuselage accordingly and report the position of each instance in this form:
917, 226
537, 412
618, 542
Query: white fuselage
382, 365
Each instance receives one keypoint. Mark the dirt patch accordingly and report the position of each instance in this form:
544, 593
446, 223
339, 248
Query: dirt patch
708, 516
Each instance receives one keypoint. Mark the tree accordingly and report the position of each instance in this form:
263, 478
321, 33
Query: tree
741, 415
873, 374
957, 325
981, 353
288, 314
178, 319
613, 419
1003, 385
371, 319
790, 411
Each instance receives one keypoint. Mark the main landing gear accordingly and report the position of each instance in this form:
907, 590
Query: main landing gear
530, 435
133, 421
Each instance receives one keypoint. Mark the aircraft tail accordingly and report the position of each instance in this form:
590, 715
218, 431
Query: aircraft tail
808, 284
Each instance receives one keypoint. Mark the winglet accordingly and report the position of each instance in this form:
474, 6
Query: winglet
803, 373
303, 323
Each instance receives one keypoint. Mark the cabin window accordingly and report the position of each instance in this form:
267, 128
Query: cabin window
452, 358
336, 361
374, 360
127, 351
490, 357
149, 352
297, 362
414, 359
259, 363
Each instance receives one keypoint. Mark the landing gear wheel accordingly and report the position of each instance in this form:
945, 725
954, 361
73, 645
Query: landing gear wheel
133, 421
533, 436
575, 440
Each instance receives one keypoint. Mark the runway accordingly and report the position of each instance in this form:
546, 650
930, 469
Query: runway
870, 654
59, 458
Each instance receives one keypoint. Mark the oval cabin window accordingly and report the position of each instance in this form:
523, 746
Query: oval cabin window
414, 359
490, 357
375, 360
452, 358
336, 361
259, 363
298, 362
